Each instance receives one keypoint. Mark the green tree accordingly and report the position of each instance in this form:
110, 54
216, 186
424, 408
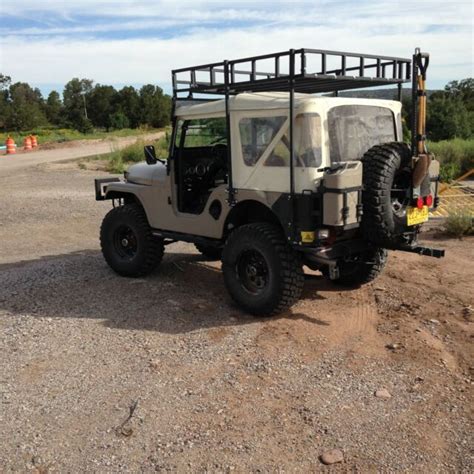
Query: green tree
118, 121
129, 104
26, 107
451, 111
102, 105
462, 90
448, 118
5, 82
155, 106
75, 99
54, 108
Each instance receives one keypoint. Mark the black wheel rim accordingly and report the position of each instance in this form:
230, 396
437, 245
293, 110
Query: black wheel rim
398, 196
252, 271
125, 242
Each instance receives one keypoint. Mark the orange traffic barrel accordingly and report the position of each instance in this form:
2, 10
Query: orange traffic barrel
34, 141
27, 143
11, 147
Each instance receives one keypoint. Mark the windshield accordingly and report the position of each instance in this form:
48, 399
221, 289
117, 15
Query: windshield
353, 129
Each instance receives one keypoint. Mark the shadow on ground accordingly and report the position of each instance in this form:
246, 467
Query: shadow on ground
185, 293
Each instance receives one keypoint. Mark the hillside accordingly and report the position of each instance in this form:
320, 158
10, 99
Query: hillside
389, 93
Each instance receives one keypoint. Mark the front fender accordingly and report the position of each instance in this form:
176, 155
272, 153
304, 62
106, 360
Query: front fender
119, 189
114, 188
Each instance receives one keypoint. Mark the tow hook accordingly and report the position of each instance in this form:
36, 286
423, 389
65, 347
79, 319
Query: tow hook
427, 251
333, 272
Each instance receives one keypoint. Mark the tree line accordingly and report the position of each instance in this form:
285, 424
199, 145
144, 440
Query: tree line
450, 112
83, 106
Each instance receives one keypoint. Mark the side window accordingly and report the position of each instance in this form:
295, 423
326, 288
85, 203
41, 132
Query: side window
307, 137
202, 132
256, 134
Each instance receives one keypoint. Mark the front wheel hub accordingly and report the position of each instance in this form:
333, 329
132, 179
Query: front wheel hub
125, 242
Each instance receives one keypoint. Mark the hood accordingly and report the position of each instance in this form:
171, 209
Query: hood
143, 173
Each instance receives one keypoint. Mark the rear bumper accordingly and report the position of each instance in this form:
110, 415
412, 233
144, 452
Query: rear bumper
420, 250
347, 248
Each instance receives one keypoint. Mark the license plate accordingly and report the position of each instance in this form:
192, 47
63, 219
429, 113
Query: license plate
417, 216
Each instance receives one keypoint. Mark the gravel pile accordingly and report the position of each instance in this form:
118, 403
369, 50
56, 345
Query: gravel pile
105, 374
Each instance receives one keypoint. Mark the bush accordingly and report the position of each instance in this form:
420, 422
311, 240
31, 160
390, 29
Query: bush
119, 160
449, 172
133, 153
459, 224
456, 157
116, 164
162, 146
119, 120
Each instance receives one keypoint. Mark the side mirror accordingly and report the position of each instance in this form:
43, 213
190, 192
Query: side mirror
150, 155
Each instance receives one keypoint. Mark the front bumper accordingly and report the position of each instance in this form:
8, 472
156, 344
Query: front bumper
101, 185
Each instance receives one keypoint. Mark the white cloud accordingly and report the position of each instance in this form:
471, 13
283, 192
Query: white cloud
389, 28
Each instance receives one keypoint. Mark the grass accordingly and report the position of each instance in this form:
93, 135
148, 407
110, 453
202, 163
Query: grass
456, 157
119, 160
59, 135
459, 224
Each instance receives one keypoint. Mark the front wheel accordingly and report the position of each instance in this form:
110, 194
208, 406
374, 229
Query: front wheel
262, 273
127, 243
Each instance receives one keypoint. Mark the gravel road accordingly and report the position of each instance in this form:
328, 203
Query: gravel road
104, 374
10, 165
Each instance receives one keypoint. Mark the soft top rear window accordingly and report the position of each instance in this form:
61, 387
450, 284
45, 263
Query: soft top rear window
353, 129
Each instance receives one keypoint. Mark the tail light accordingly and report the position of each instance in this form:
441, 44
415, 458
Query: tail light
419, 203
429, 200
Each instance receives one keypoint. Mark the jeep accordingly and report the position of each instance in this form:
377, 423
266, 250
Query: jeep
269, 169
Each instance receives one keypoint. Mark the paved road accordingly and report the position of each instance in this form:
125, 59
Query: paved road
10, 164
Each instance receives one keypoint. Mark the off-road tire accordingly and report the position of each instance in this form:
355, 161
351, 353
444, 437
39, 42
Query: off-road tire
210, 252
148, 249
355, 273
385, 166
284, 269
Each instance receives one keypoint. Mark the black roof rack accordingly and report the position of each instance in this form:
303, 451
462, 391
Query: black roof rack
302, 70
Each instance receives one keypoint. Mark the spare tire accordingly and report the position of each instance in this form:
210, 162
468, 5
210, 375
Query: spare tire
387, 176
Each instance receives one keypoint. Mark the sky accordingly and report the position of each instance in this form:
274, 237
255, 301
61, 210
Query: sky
133, 42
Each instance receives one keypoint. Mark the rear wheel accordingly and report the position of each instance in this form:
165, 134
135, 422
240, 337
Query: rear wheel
210, 252
361, 269
262, 273
387, 177
127, 243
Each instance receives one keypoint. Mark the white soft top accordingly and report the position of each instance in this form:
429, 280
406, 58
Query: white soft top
273, 100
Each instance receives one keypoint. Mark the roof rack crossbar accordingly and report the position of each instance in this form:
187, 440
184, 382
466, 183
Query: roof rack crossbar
316, 71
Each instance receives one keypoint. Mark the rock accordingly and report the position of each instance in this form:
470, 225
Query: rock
434, 321
332, 456
383, 393
394, 346
466, 312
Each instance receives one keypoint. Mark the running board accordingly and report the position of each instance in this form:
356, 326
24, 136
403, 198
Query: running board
437, 253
